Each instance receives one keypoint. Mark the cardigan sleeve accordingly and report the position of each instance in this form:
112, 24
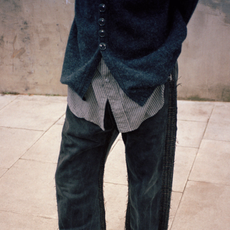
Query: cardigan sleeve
186, 8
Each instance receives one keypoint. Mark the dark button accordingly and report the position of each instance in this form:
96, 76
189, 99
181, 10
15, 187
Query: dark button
101, 21
102, 7
102, 46
101, 33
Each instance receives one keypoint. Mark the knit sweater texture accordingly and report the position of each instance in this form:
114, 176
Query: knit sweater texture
139, 40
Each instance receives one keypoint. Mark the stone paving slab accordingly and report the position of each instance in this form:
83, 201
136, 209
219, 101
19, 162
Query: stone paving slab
30, 134
61, 120
28, 188
15, 221
194, 111
190, 133
221, 110
184, 160
219, 128
218, 131
115, 167
115, 205
175, 202
48, 146
33, 112
204, 206
2, 171
14, 143
6, 99
212, 163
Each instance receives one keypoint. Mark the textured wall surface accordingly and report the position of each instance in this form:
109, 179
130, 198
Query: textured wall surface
33, 37
205, 60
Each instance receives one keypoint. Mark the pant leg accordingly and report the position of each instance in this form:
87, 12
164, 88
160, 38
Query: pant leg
144, 158
79, 174
169, 153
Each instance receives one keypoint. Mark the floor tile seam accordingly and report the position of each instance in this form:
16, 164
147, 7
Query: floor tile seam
198, 149
24, 152
23, 159
190, 170
7, 169
194, 101
172, 221
42, 102
207, 139
21, 156
188, 146
185, 146
177, 191
58, 119
9, 103
193, 120
219, 122
203, 134
58, 124
207, 123
207, 182
10, 127
38, 161
193, 164
205, 102
42, 96
44, 132
47, 217
211, 114
24, 214
106, 182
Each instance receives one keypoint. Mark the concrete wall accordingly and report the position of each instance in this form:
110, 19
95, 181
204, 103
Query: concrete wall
205, 60
33, 36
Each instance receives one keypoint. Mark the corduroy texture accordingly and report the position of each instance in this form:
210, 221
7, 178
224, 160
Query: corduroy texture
143, 40
169, 155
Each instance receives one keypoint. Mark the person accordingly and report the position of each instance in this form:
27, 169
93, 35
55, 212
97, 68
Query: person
121, 70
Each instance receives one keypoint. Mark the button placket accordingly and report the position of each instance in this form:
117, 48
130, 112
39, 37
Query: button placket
101, 31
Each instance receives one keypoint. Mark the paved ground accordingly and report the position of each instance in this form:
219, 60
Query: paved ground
30, 128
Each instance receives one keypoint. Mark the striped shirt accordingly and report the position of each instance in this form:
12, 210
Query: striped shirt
127, 113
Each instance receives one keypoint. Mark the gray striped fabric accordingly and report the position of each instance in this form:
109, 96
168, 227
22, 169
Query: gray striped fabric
127, 113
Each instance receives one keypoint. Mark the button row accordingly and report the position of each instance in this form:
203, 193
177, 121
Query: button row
101, 22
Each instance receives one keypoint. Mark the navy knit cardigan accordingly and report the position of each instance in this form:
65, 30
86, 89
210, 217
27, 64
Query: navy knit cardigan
139, 40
